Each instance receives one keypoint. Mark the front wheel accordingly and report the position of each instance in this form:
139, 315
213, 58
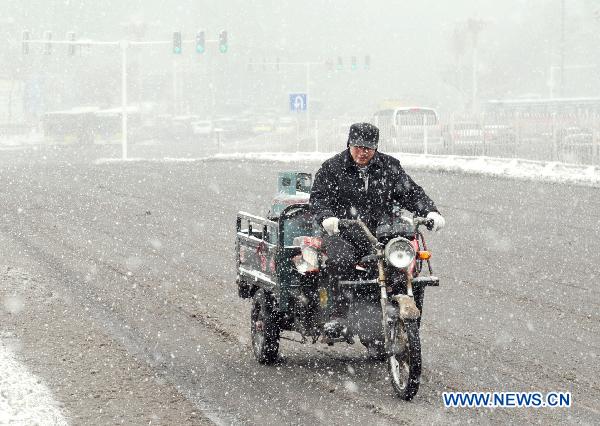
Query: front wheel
264, 327
404, 362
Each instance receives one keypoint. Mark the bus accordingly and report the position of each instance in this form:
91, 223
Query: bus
559, 107
89, 125
70, 126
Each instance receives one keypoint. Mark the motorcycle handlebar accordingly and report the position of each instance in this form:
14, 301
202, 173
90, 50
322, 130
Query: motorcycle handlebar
345, 223
428, 223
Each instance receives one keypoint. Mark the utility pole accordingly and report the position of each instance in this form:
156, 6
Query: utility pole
474, 26
124, 45
308, 97
562, 48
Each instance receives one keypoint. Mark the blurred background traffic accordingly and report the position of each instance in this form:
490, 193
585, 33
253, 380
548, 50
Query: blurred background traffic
511, 79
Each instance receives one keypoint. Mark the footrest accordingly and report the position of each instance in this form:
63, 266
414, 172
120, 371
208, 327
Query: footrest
426, 281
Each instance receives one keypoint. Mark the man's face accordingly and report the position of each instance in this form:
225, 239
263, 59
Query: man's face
361, 155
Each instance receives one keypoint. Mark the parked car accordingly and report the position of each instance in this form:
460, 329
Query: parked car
202, 128
181, 126
287, 125
576, 144
231, 127
464, 133
263, 125
499, 134
224, 125
576, 136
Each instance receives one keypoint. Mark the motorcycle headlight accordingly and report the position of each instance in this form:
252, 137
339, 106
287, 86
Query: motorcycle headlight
399, 252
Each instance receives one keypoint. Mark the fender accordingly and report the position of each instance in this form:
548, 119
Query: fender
408, 308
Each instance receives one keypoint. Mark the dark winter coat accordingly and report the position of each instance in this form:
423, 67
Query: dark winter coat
339, 190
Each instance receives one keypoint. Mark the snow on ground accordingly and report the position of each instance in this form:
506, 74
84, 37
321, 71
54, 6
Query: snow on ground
492, 166
24, 399
503, 167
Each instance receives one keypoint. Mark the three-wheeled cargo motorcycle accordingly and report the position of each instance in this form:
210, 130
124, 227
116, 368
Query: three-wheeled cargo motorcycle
282, 267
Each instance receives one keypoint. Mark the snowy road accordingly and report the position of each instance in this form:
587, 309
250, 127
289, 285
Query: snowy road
141, 255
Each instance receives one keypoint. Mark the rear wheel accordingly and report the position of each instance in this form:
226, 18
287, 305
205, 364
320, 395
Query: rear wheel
404, 362
264, 327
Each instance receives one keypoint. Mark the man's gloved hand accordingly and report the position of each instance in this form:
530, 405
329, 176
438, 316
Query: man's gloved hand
438, 220
331, 225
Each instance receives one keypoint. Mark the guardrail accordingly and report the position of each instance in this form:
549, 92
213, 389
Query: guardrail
524, 139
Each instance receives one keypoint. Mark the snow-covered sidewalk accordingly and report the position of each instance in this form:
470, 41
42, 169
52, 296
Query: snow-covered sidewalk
492, 166
24, 399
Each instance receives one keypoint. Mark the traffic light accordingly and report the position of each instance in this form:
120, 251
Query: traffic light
353, 63
340, 63
177, 42
26, 38
223, 41
200, 42
71, 46
367, 62
48, 44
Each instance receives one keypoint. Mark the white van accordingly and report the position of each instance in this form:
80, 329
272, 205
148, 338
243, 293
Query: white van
409, 128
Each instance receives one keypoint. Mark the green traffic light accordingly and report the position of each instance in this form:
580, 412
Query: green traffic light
200, 42
177, 42
223, 41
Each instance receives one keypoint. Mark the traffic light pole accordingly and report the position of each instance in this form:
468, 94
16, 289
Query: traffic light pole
124, 46
308, 97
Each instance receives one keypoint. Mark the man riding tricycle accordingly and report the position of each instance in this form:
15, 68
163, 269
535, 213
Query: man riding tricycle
338, 259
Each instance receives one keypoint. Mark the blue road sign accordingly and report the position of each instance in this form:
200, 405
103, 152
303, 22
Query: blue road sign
298, 102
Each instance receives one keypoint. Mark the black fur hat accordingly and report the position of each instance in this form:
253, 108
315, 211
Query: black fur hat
363, 134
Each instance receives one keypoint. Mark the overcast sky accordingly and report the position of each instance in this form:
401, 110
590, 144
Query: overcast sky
416, 51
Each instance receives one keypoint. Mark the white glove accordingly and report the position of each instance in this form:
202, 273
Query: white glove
438, 220
331, 225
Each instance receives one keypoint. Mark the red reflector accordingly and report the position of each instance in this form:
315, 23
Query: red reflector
315, 242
